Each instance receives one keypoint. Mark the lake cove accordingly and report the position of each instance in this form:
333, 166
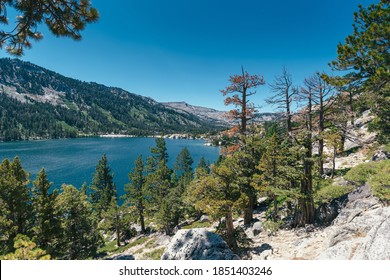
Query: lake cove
73, 161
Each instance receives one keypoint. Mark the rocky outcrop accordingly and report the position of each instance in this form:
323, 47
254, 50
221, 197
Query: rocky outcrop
198, 244
361, 231
380, 155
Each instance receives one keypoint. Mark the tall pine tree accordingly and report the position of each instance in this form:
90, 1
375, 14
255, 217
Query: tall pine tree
102, 189
47, 226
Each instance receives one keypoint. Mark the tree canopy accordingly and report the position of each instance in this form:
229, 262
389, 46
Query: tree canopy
65, 18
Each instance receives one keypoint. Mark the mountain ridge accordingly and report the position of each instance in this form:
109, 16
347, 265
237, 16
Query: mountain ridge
38, 103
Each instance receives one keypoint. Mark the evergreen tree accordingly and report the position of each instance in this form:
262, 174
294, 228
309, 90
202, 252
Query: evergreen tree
278, 172
63, 18
365, 57
158, 185
184, 162
218, 195
159, 154
305, 210
25, 249
242, 87
102, 189
47, 226
81, 238
135, 191
14, 201
158, 181
203, 165
183, 170
170, 212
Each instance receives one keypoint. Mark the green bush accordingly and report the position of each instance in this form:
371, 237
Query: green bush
360, 173
376, 174
330, 192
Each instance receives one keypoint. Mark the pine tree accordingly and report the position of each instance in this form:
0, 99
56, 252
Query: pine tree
47, 226
135, 191
202, 165
63, 18
102, 189
285, 93
81, 238
305, 210
183, 170
278, 172
14, 201
365, 57
159, 154
25, 249
219, 195
183, 162
158, 180
244, 86
323, 101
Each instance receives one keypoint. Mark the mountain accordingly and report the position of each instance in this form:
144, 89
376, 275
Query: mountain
212, 115
205, 114
37, 103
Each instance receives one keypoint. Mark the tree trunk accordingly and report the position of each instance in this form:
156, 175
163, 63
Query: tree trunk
248, 211
321, 156
230, 234
141, 216
275, 212
118, 243
334, 160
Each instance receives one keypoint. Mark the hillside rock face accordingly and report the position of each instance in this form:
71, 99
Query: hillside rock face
198, 244
361, 231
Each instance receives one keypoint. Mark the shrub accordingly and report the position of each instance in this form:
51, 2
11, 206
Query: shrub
376, 174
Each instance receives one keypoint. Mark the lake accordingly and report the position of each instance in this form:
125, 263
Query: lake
73, 161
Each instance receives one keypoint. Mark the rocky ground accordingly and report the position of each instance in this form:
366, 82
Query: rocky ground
360, 231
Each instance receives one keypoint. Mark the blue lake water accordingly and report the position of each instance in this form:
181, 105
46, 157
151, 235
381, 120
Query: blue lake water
73, 161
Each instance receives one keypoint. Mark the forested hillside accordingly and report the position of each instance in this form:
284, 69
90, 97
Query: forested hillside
38, 103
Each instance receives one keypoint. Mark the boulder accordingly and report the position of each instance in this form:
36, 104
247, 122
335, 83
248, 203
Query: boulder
257, 228
361, 231
198, 244
204, 219
366, 238
380, 155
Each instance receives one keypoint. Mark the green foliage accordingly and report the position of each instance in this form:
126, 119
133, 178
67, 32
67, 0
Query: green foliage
361, 173
15, 206
136, 192
25, 249
80, 236
102, 189
327, 191
278, 172
365, 55
376, 174
47, 226
63, 18
170, 212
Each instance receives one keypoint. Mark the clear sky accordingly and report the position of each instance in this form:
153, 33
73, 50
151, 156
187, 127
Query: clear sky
185, 50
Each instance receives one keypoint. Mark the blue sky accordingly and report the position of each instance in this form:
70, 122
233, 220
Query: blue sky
178, 50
